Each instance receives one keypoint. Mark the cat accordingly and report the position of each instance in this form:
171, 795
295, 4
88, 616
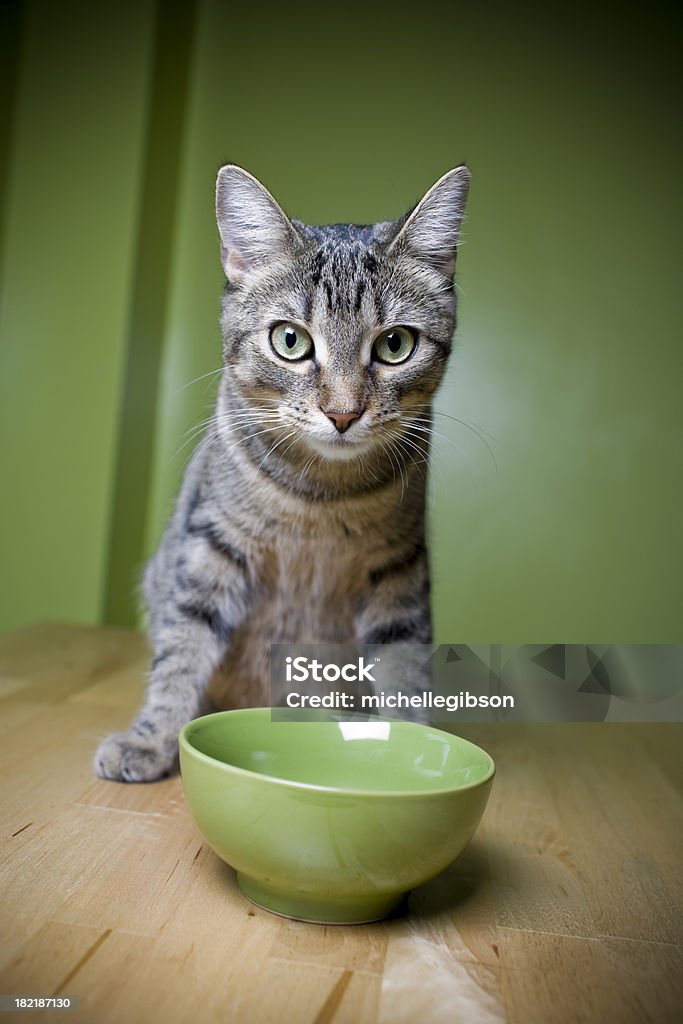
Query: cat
301, 516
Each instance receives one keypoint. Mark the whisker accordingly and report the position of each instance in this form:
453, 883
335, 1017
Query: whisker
314, 456
362, 468
473, 427
409, 446
248, 437
225, 452
399, 462
430, 432
453, 445
385, 449
211, 373
225, 421
465, 423
276, 445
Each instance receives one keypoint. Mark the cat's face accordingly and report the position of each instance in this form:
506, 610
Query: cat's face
338, 336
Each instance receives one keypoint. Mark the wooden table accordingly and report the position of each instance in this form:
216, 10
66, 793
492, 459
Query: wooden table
564, 908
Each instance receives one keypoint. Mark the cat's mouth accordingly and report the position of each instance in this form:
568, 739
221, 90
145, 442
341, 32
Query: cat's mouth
340, 447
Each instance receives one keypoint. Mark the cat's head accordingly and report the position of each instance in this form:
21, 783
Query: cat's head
337, 336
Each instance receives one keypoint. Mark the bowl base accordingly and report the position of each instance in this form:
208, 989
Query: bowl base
318, 910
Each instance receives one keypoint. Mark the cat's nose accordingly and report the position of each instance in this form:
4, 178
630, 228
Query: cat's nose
343, 418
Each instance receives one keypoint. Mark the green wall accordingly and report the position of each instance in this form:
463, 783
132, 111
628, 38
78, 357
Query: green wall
71, 202
568, 359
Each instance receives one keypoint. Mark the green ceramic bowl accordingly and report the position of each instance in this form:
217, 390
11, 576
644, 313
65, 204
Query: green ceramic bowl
331, 821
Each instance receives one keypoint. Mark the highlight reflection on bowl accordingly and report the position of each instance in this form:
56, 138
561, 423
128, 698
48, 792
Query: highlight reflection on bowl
331, 821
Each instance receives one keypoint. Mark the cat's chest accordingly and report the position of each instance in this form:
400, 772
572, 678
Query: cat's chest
305, 592
312, 588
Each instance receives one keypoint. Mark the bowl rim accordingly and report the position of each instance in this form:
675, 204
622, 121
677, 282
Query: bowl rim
340, 790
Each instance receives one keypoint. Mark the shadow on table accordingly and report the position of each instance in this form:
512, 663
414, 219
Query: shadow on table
468, 881
461, 882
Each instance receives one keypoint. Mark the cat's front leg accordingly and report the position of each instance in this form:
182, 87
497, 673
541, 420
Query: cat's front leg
191, 634
178, 678
396, 614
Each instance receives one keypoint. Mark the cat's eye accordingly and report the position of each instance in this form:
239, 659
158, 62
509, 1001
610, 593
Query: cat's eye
291, 342
394, 345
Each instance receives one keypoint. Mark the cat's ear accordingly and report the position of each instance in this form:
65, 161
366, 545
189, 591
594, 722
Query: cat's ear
253, 227
430, 232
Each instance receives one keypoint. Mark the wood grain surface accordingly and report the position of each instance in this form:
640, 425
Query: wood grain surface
565, 908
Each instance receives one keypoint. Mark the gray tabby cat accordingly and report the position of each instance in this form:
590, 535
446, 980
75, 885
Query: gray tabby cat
302, 513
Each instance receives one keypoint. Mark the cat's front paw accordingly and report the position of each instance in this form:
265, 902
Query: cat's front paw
126, 757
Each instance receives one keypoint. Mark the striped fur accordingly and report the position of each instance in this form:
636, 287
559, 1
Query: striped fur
286, 529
